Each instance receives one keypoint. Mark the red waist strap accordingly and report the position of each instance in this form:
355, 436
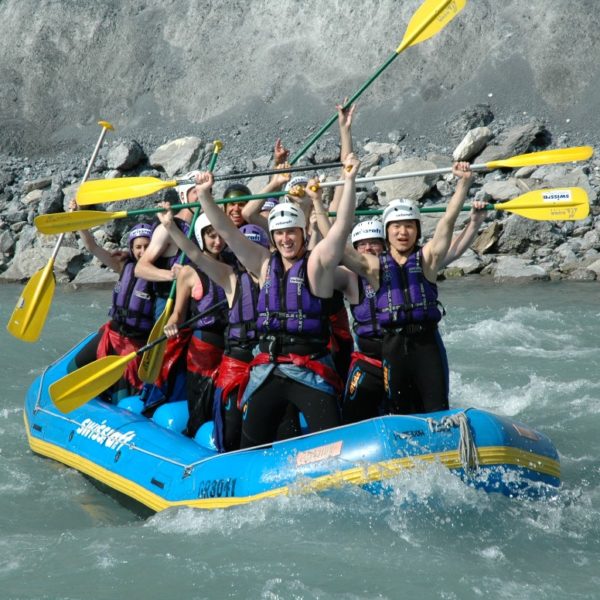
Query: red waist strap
203, 358
175, 348
300, 360
232, 373
113, 343
356, 356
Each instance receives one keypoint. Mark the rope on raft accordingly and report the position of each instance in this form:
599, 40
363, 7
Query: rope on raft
467, 450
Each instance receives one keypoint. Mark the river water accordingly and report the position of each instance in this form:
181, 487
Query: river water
530, 351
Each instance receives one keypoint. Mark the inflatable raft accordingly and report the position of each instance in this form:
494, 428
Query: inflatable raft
151, 462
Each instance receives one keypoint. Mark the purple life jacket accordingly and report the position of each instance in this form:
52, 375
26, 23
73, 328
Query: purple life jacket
133, 301
243, 314
287, 306
217, 319
163, 288
405, 296
365, 320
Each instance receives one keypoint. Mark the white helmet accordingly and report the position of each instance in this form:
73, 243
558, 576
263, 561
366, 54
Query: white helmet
286, 215
294, 181
184, 188
201, 224
401, 210
367, 230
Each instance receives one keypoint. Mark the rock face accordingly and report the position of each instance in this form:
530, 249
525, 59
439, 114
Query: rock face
500, 80
162, 69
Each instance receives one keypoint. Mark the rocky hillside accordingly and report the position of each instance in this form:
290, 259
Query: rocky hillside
249, 71
518, 76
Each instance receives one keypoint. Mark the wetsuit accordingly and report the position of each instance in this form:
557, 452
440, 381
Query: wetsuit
294, 365
241, 339
415, 367
364, 396
342, 344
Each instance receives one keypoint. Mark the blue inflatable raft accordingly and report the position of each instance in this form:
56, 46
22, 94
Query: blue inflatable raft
151, 462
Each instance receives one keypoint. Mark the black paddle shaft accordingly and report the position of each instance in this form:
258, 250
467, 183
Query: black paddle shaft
314, 167
162, 338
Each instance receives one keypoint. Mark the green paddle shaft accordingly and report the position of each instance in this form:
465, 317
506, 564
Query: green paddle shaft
429, 18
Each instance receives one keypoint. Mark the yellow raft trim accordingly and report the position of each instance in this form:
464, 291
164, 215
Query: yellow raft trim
488, 456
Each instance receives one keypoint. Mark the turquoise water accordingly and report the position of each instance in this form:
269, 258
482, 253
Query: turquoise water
529, 351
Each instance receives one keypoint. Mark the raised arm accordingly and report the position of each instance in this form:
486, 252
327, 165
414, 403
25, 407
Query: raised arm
435, 250
145, 268
185, 282
251, 211
329, 251
107, 258
251, 255
221, 273
344, 124
461, 242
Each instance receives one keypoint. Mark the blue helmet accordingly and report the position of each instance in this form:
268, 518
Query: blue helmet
255, 234
137, 231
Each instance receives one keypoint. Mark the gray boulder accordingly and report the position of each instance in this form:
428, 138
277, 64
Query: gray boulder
518, 234
125, 156
94, 275
413, 188
178, 156
32, 260
510, 267
472, 144
501, 190
512, 142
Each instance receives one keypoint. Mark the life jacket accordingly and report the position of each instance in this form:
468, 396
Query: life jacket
243, 314
133, 302
287, 306
405, 296
213, 293
163, 288
365, 320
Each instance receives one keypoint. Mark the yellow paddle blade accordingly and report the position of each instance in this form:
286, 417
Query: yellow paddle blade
79, 387
546, 157
567, 204
152, 359
74, 221
431, 17
28, 317
99, 191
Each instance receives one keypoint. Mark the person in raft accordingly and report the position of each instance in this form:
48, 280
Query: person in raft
293, 365
402, 302
159, 263
241, 290
364, 396
203, 343
131, 313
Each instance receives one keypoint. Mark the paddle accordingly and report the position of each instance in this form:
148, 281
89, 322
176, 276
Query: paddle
152, 359
61, 222
102, 191
546, 157
311, 167
80, 386
111, 190
30, 313
430, 18
562, 204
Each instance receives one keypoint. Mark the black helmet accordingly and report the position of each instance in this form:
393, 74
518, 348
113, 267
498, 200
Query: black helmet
237, 189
